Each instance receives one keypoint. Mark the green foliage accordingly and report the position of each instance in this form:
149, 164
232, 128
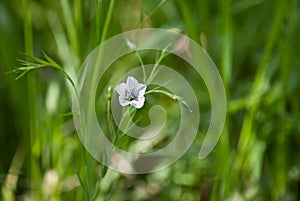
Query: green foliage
254, 43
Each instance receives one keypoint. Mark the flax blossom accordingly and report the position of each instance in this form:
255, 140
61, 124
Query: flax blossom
131, 93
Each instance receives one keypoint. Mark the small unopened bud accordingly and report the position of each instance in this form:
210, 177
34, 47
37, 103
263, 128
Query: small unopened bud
109, 93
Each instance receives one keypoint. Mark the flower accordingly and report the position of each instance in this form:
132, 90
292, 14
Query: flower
131, 93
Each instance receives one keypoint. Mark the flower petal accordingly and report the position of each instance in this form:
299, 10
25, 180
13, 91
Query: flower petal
131, 83
120, 89
137, 91
138, 103
123, 101
142, 90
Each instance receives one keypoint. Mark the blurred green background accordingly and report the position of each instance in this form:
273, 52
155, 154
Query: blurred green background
255, 45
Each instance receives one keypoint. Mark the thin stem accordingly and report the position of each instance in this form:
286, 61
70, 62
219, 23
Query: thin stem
108, 113
143, 66
152, 12
152, 90
71, 28
98, 21
172, 96
132, 46
190, 26
80, 180
31, 85
108, 19
159, 60
122, 119
126, 129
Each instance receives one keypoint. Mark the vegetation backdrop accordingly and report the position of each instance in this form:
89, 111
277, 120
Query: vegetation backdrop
255, 45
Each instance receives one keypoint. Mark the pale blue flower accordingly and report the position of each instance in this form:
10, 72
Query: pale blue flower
131, 93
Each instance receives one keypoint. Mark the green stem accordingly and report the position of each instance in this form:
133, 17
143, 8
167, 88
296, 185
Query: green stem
32, 111
122, 119
71, 28
159, 60
108, 114
225, 7
226, 63
143, 66
98, 21
172, 96
80, 180
152, 12
108, 19
190, 26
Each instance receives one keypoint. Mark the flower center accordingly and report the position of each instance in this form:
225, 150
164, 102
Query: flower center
130, 96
